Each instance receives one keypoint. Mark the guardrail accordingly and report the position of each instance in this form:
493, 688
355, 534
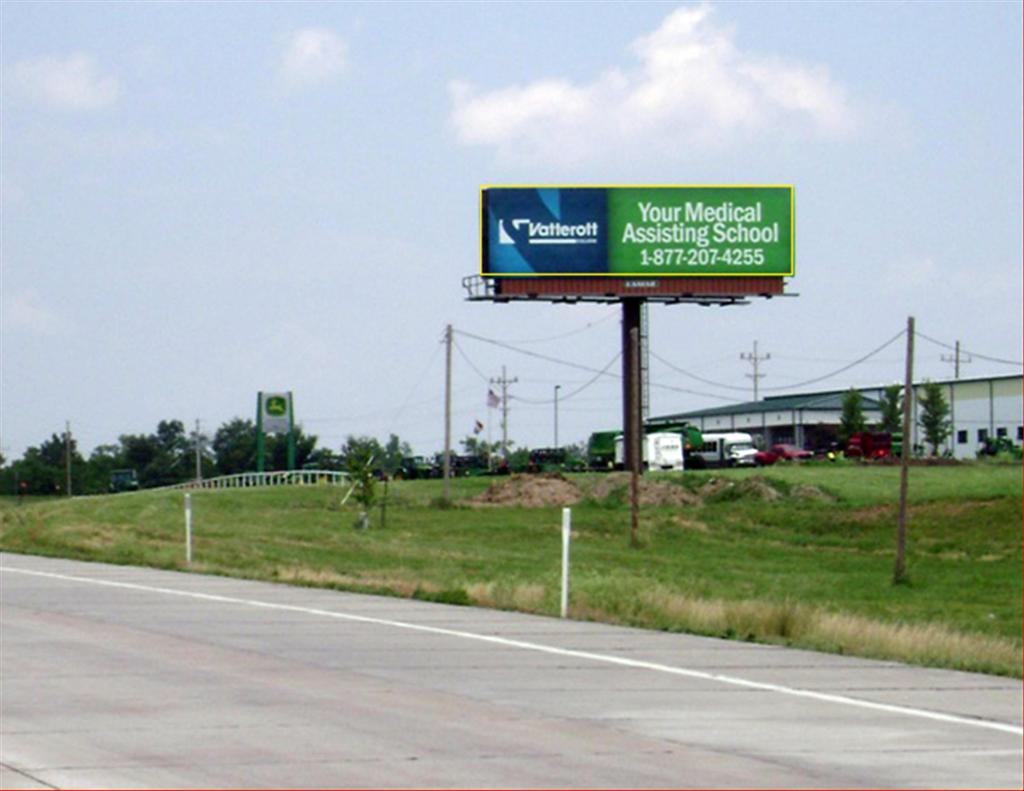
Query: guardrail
245, 480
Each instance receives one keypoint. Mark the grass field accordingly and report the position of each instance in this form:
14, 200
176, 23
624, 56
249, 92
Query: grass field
809, 566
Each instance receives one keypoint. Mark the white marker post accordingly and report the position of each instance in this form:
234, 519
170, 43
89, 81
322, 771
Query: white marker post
566, 534
188, 529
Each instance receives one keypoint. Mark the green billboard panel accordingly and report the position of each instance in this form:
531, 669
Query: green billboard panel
668, 231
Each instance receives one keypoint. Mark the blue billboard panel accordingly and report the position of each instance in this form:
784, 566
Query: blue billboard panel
544, 230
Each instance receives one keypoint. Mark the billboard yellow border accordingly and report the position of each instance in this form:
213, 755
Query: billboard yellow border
792, 229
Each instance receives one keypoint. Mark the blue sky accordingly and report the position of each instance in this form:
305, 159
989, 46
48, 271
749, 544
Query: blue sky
203, 200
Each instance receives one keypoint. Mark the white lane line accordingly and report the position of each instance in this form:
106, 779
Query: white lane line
546, 649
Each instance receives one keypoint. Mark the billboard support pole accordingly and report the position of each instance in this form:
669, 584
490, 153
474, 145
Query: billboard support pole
633, 433
630, 369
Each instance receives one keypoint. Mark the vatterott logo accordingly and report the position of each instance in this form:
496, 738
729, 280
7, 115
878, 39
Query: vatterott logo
548, 232
545, 230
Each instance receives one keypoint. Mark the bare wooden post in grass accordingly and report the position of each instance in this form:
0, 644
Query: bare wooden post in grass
900, 571
188, 529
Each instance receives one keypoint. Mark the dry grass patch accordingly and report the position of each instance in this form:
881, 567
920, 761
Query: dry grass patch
800, 625
325, 578
524, 597
689, 524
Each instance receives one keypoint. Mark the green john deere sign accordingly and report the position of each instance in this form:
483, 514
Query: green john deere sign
274, 414
277, 406
634, 231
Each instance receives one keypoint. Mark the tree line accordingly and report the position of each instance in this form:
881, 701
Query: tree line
171, 454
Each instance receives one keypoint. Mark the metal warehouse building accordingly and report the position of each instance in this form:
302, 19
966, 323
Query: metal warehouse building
979, 408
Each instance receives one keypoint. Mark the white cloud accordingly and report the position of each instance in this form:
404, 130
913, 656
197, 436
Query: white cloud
74, 82
691, 86
313, 56
25, 312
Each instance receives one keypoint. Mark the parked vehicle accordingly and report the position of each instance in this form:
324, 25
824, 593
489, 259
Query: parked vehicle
730, 449
660, 451
601, 450
414, 467
601, 446
781, 452
553, 460
123, 481
869, 445
1000, 446
691, 436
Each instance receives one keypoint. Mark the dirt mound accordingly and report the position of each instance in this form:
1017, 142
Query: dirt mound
651, 492
714, 486
756, 488
806, 491
531, 491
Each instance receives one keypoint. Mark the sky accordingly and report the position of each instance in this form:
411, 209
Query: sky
205, 200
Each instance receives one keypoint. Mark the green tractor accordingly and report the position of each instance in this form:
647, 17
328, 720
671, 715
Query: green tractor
601, 450
1000, 447
123, 481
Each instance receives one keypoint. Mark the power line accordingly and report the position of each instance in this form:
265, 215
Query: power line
526, 352
416, 382
578, 390
677, 369
568, 334
968, 351
469, 362
580, 367
838, 371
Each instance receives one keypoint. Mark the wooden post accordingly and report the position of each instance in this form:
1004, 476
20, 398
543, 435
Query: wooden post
900, 570
447, 412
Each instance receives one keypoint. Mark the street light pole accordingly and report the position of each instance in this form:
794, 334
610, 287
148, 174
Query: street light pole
557, 388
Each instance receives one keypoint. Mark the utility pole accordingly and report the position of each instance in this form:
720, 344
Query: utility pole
899, 574
447, 411
504, 382
956, 359
755, 360
67, 454
557, 388
199, 464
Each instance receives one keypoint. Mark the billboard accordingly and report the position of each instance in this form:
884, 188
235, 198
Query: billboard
637, 231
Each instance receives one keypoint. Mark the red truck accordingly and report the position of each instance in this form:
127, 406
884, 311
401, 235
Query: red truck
781, 452
869, 445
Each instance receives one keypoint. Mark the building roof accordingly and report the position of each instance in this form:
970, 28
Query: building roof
785, 403
826, 400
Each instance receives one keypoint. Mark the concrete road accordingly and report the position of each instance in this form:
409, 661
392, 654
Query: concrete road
126, 677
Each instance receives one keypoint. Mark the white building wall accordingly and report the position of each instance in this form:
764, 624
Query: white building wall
982, 409
991, 406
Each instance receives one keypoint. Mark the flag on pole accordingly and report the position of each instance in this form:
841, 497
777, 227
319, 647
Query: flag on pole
478, 427
492, 399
